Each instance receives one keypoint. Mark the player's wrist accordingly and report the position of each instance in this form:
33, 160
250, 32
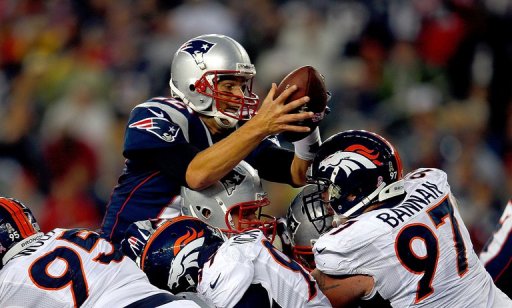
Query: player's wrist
307, 147
253, 129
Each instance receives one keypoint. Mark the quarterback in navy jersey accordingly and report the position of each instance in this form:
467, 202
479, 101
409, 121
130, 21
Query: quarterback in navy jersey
194, 138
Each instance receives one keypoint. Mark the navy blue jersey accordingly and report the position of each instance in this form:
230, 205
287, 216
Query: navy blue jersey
144, 191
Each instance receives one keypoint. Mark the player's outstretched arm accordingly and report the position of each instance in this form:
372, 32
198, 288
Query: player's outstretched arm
273, 117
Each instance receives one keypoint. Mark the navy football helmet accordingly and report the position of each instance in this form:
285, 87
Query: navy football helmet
171, 252
306, 225
197, 67
17, 225
356, 169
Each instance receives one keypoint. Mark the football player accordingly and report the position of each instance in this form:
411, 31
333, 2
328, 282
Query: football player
305, 227
187, 254
68, 268
236, 203
400, 239
193, 138
233, 204
497, 253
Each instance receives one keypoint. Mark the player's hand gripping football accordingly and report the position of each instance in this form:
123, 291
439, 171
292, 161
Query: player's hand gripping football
275, 115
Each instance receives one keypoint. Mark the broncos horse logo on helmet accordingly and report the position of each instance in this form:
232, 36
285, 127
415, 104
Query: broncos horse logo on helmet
348, 161
185, 257
356, 168
172, 250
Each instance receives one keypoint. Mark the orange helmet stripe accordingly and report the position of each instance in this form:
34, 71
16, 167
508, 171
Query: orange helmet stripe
19, 217
159, 230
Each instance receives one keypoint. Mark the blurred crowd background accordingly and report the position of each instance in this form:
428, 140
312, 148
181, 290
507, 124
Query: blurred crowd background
433, 76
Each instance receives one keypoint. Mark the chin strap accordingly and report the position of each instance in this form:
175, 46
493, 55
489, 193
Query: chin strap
383, 192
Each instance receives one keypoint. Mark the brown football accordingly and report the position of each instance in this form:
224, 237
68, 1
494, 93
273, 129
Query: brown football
309, 83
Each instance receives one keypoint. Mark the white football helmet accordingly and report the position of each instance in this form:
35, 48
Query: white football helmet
200, 64
240, 192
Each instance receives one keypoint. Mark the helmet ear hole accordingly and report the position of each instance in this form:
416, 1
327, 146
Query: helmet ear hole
206, 213
192, 87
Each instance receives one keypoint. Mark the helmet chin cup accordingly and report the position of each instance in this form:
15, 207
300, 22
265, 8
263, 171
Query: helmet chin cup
223, 120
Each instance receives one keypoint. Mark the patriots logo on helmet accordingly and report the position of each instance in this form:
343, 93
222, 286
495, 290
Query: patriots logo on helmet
197, 49
358, 157
159, 126
293, 223
231, 181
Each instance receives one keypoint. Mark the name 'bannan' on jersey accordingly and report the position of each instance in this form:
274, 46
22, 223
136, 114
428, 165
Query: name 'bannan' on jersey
420, 197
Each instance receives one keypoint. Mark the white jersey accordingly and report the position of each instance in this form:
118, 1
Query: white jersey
76, 268
249, 258
418, 252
